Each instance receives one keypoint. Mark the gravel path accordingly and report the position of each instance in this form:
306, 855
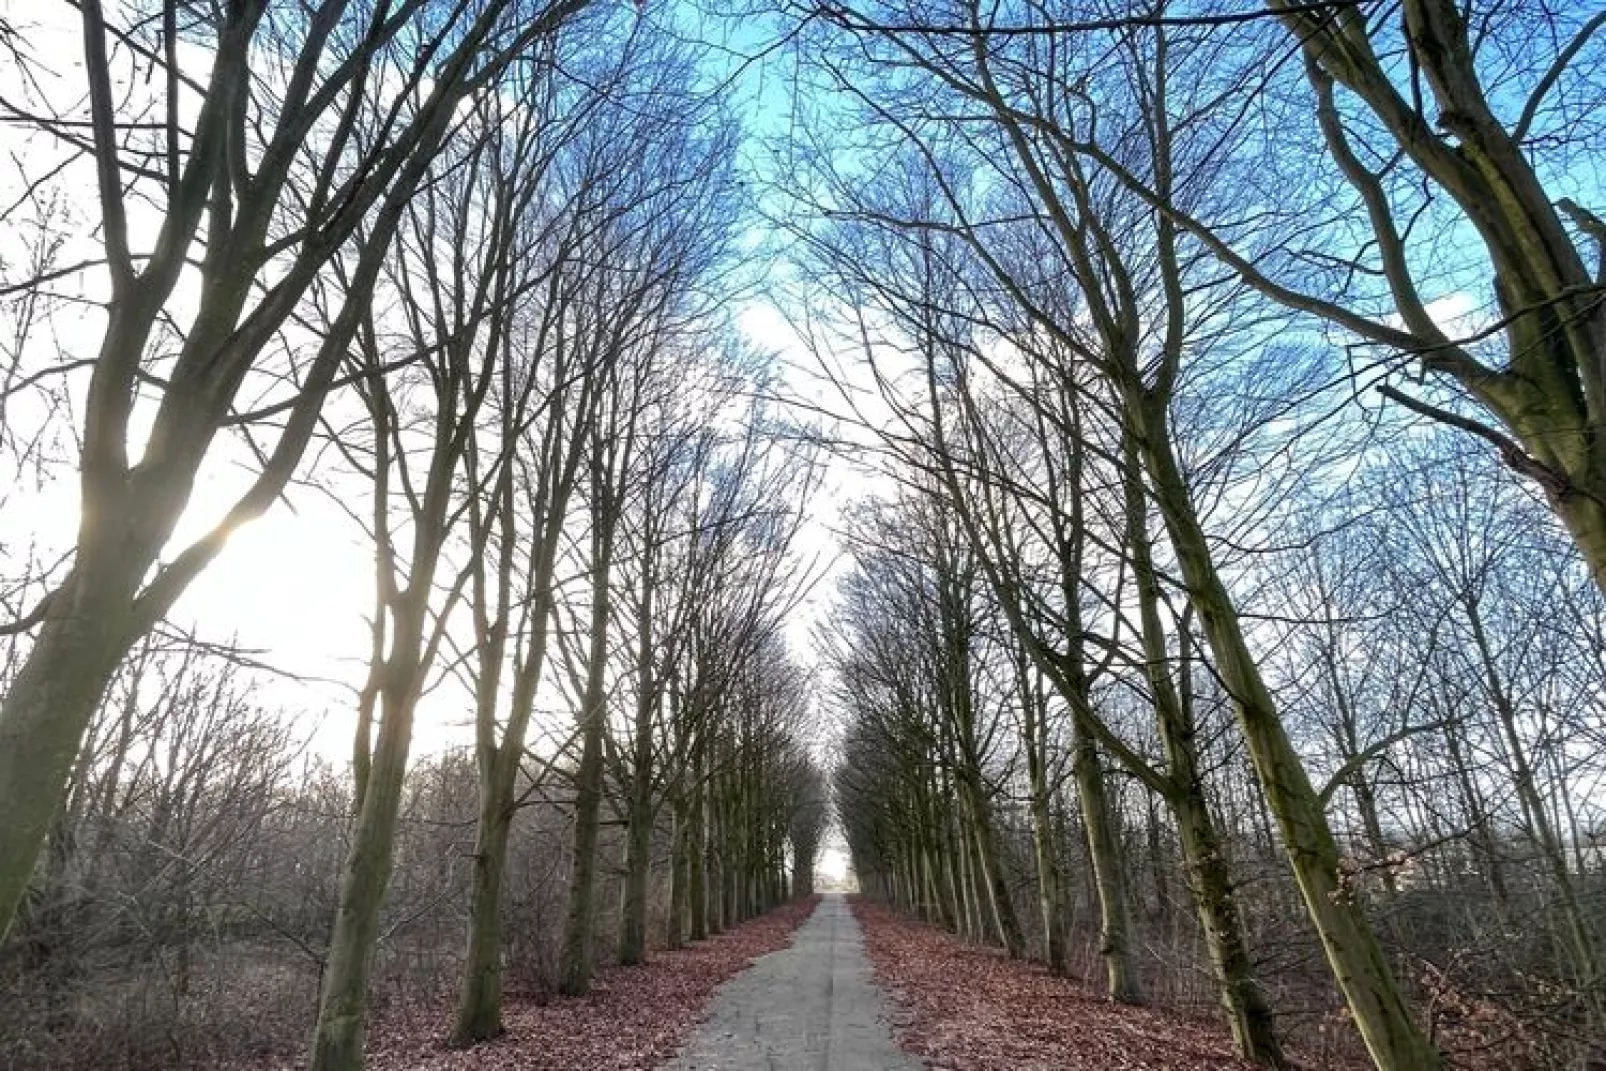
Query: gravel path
811, 1007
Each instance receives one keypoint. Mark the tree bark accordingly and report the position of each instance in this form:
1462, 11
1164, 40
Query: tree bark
342, 1010
697, 843
679, 871
577, 956
1249, 1013
1392, 1037
991, 872
1122, 982
638, 851
48, 708
479, 1003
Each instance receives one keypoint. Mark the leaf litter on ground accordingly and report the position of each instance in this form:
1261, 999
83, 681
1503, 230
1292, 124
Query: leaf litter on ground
962, 1007
634, 1019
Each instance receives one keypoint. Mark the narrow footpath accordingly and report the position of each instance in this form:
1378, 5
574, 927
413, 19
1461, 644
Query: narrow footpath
811, 1007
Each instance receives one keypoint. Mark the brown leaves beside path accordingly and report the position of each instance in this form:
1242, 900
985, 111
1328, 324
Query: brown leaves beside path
634, 1019
965, 1008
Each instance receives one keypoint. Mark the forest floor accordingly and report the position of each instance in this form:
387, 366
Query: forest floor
966, 1008
634, 1019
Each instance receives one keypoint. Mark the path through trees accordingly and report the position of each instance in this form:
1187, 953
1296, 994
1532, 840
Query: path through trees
1130, 476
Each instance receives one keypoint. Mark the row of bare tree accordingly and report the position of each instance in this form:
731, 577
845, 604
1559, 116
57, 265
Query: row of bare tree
467, 268
183, 912
1100, 287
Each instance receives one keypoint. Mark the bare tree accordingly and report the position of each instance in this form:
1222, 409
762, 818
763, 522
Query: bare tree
318, 148
1130, 320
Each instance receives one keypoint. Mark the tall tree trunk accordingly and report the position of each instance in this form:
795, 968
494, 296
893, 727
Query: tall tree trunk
802, 879
638, 850
679, 872
48, 707
733, 859
959, 848
991, 872
1121, 978
1050, 893
1100, 824
575, 963
342, 1010
479, 1002
953, 887
716, 853
577, 955
697, 843
1249, 1013
1392, 1037
498, 761
338, 1036
930, 896
942, 873
1159, 865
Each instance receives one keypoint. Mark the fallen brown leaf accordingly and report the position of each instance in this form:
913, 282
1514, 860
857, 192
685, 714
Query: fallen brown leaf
965, 1008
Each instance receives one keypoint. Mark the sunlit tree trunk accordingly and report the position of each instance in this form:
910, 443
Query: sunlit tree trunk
1248, 1011
70, 665
462, 378
342, 1010
1363, 973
